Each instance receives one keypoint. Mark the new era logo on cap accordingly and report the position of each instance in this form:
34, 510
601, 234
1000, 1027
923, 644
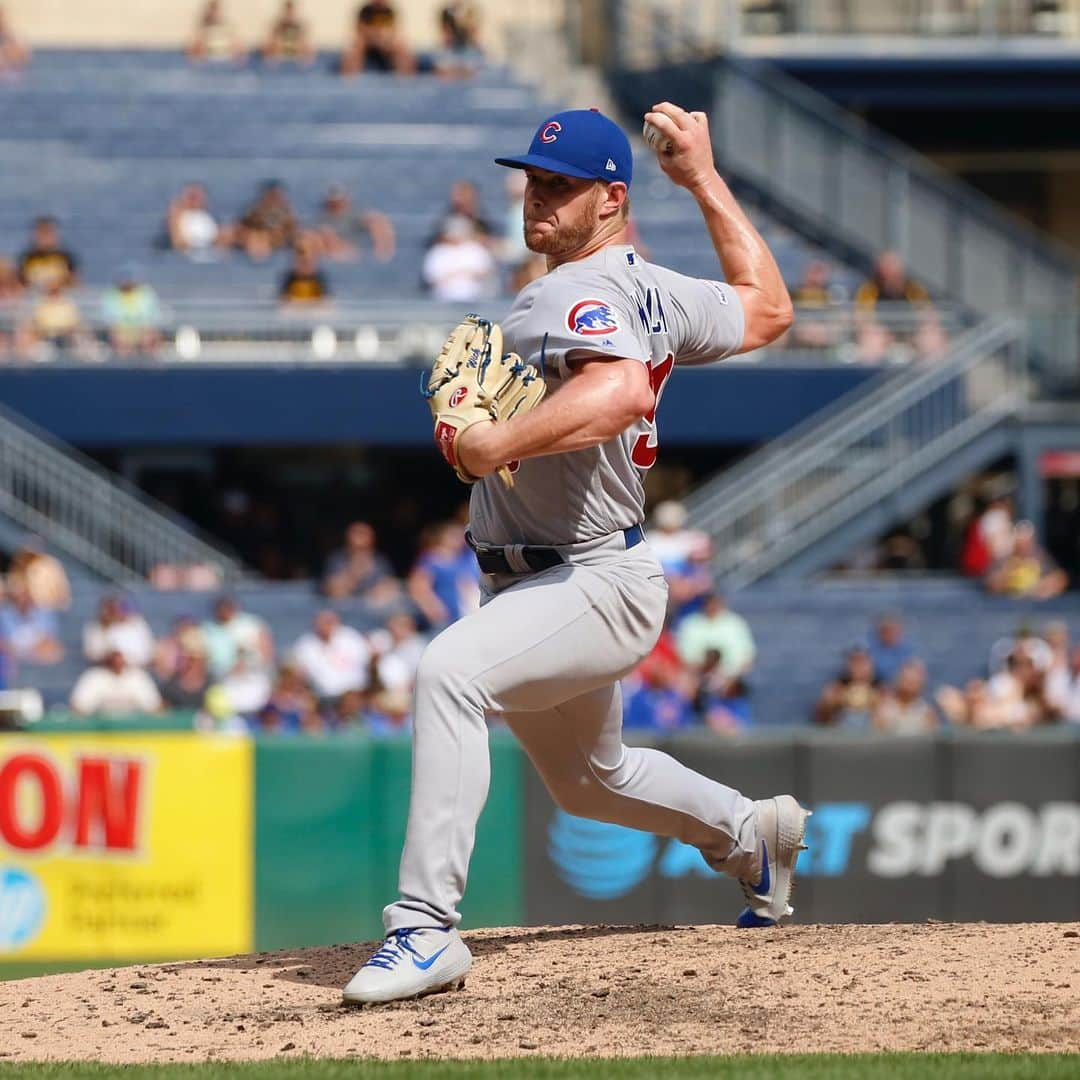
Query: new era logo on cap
578, 142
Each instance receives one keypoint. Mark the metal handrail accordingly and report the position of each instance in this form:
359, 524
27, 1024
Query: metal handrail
815, 432
88, 514
787, 496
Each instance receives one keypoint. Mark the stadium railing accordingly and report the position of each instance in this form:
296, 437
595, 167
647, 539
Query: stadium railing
859, 453
92, 516
412, 332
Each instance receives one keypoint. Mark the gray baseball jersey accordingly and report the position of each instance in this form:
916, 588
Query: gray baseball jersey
612, 304
546, 650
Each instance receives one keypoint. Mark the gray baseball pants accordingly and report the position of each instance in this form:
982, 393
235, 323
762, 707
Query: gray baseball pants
546, 650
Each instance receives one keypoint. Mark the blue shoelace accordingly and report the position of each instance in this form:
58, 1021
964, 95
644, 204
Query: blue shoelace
395, 946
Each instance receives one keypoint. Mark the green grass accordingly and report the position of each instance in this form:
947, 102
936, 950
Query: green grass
744, 1067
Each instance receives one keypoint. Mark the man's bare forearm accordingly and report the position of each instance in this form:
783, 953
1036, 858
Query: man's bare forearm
588, 410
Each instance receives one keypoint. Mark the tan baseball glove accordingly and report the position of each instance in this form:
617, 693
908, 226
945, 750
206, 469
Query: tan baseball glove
472, 381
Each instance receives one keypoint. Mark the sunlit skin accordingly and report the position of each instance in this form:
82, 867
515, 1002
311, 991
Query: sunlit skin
568, 219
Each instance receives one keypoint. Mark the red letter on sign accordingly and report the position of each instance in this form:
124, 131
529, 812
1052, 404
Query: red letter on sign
30, 769
107, 806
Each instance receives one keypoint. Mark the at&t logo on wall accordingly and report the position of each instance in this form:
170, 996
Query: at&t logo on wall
22, 908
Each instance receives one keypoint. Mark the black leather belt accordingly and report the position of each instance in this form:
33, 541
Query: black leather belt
493, 560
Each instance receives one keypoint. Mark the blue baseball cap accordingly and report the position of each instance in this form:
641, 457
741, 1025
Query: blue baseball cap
579, 142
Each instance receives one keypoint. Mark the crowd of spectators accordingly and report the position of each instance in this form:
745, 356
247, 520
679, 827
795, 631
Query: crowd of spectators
375, 41
1006, 555
889, 319
1033, 679
228, 666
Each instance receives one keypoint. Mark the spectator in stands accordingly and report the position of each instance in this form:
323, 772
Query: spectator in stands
458, 266
813, 296
55, 326
304, 283
721, 701
460, 54
193, 230
717, 627
901, 708
1063, 689
889, 647
890, 284
289, 39
397, 651
11, 286
347, 713
111, 688
988, 538
118, 628
248, 684
359, 569
959, 706
444, 582
44, 575
30, 631
849, 700
215, 38
690, 581
389, 714
1028, 570
377, 42
659, 695
671, 541
464, 202
46, 261
292, 697
14, 55
268, 224
186, 687
342, 229
1016, 697
334, 658
131, 314
184, 639
232, 630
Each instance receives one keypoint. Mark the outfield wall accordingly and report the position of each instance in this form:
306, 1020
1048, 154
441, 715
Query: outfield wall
128, 845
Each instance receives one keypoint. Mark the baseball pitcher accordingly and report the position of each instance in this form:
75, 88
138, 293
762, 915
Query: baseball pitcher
552, 418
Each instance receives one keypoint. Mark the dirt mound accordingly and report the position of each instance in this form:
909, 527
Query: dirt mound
579, 991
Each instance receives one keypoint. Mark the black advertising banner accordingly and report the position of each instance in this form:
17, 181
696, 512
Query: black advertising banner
956, 827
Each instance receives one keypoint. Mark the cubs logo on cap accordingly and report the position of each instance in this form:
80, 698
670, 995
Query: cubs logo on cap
578, 142
592, 318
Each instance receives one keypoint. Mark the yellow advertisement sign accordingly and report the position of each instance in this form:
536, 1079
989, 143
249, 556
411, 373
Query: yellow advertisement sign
125, 846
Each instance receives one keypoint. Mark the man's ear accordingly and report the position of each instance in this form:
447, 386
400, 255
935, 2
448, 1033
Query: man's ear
614, 198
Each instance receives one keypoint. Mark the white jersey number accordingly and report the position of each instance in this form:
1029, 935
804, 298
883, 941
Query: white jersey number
647, 446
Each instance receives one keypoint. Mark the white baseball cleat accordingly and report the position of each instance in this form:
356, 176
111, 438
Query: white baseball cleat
411, 963
781, 827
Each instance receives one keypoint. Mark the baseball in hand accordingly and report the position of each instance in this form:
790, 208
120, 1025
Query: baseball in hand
656, 138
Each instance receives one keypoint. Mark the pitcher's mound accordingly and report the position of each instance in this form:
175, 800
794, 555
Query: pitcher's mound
581, 991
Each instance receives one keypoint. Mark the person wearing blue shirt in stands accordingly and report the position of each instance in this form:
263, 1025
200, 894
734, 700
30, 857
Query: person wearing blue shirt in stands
889, 647
445, 582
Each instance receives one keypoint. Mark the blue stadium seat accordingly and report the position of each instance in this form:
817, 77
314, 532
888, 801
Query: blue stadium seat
104, 139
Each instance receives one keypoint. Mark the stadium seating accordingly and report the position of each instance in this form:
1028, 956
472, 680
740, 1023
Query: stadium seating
801, 632
103, 140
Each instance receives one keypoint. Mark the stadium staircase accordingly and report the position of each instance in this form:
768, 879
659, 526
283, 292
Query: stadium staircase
874, 457
835, 178
92, 517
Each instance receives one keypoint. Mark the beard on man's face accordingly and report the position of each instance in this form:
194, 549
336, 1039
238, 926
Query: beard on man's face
567, 237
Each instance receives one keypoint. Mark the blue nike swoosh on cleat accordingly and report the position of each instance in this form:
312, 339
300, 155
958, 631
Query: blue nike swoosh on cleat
423, 965
762, 887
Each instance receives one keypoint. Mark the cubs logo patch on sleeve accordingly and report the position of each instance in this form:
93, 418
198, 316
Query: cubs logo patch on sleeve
592, 318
